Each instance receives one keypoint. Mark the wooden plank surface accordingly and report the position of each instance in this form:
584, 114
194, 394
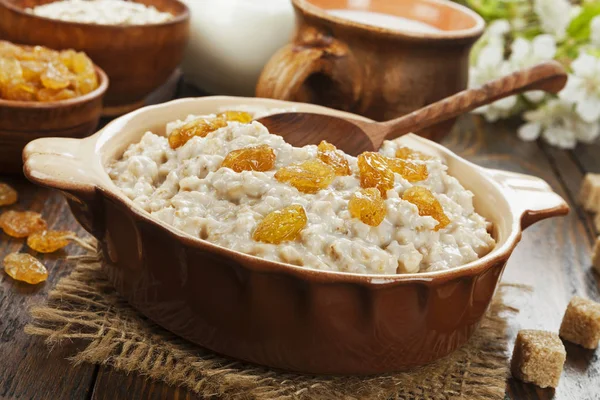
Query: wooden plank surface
553, 257
112, 385
27, 370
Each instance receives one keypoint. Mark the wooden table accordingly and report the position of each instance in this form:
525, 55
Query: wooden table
553, 257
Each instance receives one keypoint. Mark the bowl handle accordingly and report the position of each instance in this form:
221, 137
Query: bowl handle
56, 163
529, 196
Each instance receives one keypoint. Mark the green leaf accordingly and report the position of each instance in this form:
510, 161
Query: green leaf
579, 28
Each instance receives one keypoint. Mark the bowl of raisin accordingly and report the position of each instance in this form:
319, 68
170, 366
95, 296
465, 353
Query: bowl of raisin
137, 57
44, 92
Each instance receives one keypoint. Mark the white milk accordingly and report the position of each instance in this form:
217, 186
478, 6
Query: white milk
384, 21
231, 40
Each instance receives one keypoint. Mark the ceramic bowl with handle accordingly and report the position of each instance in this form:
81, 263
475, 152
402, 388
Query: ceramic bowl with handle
24, 121
272, 313
136, 58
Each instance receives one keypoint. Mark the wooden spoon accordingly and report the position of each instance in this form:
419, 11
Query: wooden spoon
354, 137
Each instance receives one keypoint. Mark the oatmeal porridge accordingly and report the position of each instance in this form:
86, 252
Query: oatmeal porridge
101, 12
225, 179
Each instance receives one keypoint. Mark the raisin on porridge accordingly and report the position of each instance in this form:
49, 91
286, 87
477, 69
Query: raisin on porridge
225, 179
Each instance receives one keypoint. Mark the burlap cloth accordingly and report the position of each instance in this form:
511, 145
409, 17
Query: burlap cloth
85, 306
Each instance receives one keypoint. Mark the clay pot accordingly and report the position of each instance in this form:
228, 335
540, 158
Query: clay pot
376, 72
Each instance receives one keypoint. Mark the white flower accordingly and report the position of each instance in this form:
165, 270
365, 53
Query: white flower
490, 65
498, 28
554, 16
493, 36
558, 124
595, 31
525, 53
583, 87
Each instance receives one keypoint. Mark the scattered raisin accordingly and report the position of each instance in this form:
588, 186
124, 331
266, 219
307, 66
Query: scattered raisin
333, 157
25, 267
238, 116
49, 241
8, 195
308, 177
198, 127
281, 225
20, 224
258, 158
368, 206
427, 204
375, 172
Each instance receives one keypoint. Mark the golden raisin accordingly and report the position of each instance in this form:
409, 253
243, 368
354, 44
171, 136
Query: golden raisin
333, 157
56, 76
54, 94
427, 204
409, 170
368, 206
25, 267
238, 116
198, 127
80, 64
281, 225
32, 70
85, 84
10, 70
308, 177
375, 172
406, 153
20, 224
49, 241
258, 158
19, 91
86, 79
8, 195
8, 49
26, 73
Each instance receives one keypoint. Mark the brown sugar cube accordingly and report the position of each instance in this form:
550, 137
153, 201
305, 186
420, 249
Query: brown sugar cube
589, 196
596, 255
538, 357
581, 323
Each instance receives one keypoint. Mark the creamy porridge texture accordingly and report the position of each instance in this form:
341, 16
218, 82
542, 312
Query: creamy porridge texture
189, 188
102, 12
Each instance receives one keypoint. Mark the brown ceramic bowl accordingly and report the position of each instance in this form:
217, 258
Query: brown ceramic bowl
271, 313
136, 58
24, 121
372, 71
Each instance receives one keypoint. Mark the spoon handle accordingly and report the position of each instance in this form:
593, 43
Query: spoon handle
548, 76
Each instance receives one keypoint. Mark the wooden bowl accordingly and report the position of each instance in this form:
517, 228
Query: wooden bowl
24, 121
276, 314
136, 58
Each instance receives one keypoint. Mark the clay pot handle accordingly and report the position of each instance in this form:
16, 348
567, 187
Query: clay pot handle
286, 72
